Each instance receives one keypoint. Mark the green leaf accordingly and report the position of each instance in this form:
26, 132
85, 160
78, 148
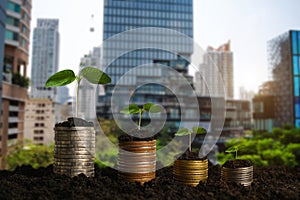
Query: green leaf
61, 78
152, 108
182, 132
231, 149
95, 75
199, 130
131, 109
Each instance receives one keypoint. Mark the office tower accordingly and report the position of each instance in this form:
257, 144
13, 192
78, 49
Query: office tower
63, 94
284, 62
2, 32
87, 95
45, 55
133, 15
216, 61
2, 36
14, 83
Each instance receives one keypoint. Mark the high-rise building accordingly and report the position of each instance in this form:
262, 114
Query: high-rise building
2, 35
63, 94
15, 83
284, 62
86, 90
2, 32
45, 55
216, 61
132, 16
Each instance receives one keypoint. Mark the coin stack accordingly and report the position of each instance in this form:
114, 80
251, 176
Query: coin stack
74, 151
242, 175
137, 161
191, 172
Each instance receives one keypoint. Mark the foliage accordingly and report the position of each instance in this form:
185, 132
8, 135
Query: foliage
65, 77
185, 131
280, 147
26, 153
20, 80
135, 109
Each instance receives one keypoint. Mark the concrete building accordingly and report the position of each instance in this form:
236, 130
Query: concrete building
39, 121
15, 83
45, 57
222, 58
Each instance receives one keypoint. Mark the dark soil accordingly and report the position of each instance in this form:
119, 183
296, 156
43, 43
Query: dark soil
73, 121
237, 163
135, 132
190, 155
26, 183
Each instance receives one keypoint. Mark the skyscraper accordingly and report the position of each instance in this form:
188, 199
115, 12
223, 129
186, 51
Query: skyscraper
14, 83
2, 32
133, 15
222, 58
284, 62
86, 91
45, 55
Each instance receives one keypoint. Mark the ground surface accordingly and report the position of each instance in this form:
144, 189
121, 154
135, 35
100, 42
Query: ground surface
27, 183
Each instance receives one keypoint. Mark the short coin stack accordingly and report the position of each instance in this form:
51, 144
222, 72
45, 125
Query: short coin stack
242, 175
74, 151
191, 172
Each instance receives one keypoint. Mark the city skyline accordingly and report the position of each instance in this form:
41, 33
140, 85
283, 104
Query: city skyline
249, 25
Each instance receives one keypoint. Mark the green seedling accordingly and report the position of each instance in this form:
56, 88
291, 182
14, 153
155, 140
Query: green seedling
233, 149
185, 131
135, 109
65, 77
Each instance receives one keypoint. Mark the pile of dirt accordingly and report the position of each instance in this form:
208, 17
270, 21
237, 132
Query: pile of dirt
28, 183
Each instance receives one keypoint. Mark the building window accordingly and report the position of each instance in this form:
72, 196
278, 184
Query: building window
12, 21
25, 16
24, 29
11, 35
13, 7
23, 43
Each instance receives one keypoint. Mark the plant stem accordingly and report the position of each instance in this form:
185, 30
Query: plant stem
76, 97
140, 120
190, 142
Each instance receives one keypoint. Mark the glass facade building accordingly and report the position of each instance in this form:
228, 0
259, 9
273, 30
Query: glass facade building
2, 32
295, 40
120, 16
284, 60
170, 20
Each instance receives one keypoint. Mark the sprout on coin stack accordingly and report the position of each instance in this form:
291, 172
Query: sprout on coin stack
189, 169
237, 170
137, 156
74, 147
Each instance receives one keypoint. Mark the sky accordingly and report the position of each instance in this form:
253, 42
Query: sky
248, 24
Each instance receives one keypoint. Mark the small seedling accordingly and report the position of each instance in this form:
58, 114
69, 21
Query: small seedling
233, 149
135, 109
185, 131
65, 77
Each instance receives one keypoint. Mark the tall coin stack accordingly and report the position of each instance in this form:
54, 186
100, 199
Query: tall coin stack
74, 151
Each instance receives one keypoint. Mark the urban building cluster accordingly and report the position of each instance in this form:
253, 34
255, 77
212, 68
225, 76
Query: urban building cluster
161, 76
